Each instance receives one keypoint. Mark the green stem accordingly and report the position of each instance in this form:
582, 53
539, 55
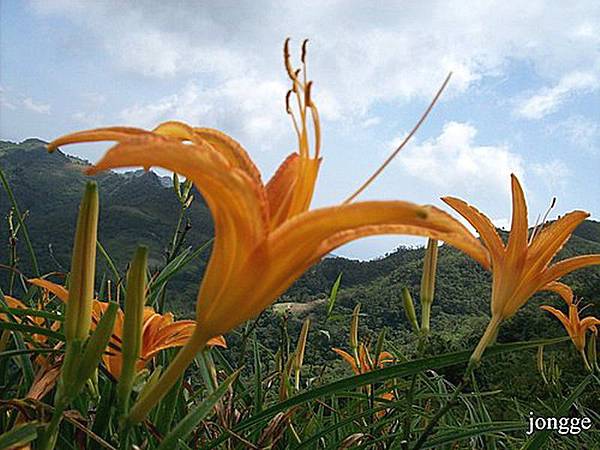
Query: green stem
50, 434
11, 196
174, 370
487, 339
425, 317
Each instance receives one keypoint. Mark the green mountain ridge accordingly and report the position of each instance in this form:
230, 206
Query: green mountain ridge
139, 207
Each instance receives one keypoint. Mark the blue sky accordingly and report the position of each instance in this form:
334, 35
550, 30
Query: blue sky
524, 96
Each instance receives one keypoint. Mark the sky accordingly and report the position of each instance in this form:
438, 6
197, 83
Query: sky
524, 96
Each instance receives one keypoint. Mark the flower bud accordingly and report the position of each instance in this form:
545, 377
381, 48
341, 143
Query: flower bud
78, 315
354, 328
133, 323
299, 354
428, 283
409, 309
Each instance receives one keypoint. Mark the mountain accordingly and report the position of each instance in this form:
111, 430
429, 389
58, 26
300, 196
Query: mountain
140, 207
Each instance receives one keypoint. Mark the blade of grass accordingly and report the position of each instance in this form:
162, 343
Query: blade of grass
333, 295
539, 440
400, 370
189, 422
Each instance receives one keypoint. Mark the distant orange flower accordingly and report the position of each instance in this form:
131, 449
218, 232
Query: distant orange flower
576, 328
12, 302
522, 266
365, 362
159, 332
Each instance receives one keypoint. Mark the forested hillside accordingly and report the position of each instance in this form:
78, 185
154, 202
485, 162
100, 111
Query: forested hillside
140, 207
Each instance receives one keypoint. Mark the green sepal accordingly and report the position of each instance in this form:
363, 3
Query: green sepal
96, 344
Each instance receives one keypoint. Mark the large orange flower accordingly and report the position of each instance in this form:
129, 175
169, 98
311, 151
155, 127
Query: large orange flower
265, 235
522, 266
159, 332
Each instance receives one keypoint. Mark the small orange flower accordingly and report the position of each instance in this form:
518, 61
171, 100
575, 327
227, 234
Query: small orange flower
523, 266
159, 332
365, 361
576, 327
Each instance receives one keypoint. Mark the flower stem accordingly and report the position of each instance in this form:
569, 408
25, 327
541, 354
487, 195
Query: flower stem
175, 369
488, 337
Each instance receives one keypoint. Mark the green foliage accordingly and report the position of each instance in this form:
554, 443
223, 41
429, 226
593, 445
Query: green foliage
232, 398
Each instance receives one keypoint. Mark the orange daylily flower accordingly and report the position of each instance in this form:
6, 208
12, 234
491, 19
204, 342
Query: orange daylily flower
523, 266
576, 327
365, 361
265, 235
367, 364
159, 332
12, 302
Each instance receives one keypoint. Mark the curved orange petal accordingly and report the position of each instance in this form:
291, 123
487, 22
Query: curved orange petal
589, 322
561, 289
218, 341
483, 225
59, 291
348, 358
516, 248
231, 149
280, 189
552, 238
566, 266
301, 241
560, 316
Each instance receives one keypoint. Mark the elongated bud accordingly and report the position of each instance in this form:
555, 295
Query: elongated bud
591, 352
429, 269
300, 348
78, 316
379, 346
428, 283
132, 323
540, 363
354, 328
409, 309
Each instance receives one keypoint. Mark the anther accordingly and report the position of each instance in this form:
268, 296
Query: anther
303, 57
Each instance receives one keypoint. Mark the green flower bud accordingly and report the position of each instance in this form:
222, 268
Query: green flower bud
78, 316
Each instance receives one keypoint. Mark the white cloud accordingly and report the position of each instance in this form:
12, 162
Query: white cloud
548, 100
40, 108
4, 101
581, 132
251, 109
453, 160
553, 173
361, 55
94, 98
88, 119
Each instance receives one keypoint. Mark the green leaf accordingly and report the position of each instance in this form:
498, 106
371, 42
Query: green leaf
400, 370
540, 438
19, 435
333, 295
32, 312
97, 343
258, 394
31, 329
469, 431
191, 420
